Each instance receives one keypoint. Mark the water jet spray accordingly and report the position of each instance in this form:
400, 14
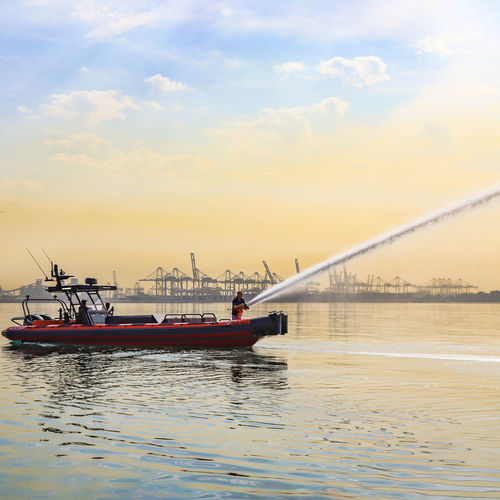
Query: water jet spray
380, 241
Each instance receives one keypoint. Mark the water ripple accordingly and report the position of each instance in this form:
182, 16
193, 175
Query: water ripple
302, 415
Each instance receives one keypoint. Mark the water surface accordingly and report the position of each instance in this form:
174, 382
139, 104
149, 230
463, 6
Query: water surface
358, 400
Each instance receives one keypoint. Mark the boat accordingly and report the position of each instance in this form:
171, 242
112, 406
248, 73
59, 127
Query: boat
97, 324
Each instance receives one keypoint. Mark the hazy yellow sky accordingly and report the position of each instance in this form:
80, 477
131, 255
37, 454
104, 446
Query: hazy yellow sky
133, 133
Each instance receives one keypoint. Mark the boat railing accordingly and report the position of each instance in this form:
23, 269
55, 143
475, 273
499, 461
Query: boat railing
29, 317
209, 318
190, 318
171, 320
18, 320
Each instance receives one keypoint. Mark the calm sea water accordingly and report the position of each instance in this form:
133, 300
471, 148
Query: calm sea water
358, 400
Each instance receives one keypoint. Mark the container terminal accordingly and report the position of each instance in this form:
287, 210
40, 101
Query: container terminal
175, 285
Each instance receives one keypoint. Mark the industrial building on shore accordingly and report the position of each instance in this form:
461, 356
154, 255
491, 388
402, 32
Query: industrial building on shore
175, 285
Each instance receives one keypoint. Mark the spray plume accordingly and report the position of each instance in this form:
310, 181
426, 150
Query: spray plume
368, 246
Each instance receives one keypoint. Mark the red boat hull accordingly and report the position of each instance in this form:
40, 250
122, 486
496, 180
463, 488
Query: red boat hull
243, 333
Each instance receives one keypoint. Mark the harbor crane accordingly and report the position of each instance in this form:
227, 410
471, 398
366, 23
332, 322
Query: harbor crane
196, 271
268, 273
115, 283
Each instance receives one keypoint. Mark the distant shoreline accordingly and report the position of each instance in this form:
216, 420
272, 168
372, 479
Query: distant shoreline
319, 297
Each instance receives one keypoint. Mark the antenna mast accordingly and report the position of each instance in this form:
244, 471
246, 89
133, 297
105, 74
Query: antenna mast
51, 263
39, 266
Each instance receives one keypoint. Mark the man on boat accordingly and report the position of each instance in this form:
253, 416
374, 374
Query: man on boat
109, 309
238, 306
83, 314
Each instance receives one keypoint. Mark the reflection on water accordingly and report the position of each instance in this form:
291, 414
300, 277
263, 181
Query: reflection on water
359, 400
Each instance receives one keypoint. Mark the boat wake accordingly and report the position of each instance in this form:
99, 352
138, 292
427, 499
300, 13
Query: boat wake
326, 349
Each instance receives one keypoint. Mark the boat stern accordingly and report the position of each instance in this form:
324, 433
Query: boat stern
276, 323
280, 320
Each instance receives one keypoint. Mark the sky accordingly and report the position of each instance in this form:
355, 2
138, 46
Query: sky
135, 132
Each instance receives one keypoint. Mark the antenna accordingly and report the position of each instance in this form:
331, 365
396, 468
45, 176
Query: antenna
40, 267
51, 263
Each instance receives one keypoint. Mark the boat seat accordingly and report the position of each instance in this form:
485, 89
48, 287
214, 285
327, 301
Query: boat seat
120, 320
170, 320
30, 318
209, 318
194, 320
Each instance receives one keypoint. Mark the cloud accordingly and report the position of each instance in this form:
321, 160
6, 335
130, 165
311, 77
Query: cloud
25, 110
9, 185
93, 106
163, 83
78, 141
76, 160
90, 151
336, 19
286, 119
145, 160
102, 20
288, 68
109, 19
270, 129
360, 71
153, 105
437, 45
